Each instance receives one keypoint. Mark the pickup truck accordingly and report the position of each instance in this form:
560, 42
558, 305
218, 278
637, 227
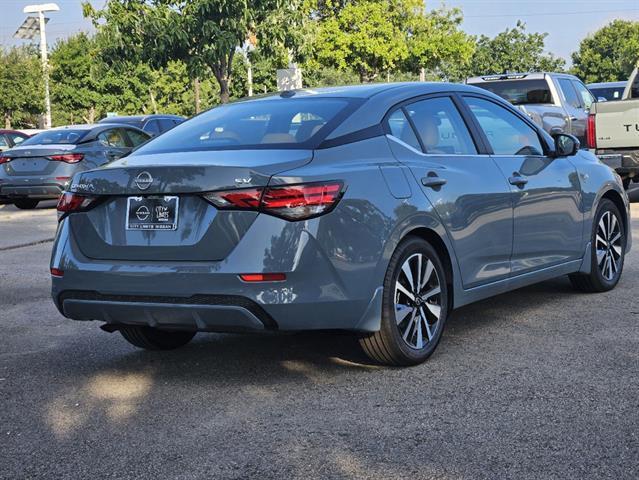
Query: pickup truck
557, 102
613, 132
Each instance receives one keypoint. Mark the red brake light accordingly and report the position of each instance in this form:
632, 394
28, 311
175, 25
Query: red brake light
292, 202
263, 277
72, 202
4, 159
296, 202
67, 157
56, 272
243, 199
591, 132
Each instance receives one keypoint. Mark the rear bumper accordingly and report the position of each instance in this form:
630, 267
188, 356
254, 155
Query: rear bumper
624, 162
210, 296
212, 313
45, 191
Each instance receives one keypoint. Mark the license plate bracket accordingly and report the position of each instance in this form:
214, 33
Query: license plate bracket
152, 213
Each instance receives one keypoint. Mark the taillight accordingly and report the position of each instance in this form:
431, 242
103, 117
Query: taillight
591, 132
4, 159
292, 202
297, 202
67, 157
244, 199
56, 272
72, 202
263, 277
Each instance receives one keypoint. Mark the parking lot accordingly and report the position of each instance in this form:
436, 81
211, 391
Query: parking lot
538, 383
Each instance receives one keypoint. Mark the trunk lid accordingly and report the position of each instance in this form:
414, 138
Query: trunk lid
203, 233
33, 159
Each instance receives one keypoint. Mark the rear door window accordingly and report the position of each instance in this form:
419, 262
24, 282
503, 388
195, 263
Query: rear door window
4, 142
400, 128
166, 124
506, 132
152, 127
441, 127
569, 93
113, 138
137, 138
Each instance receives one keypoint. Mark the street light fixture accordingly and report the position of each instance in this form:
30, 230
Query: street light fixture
27, 31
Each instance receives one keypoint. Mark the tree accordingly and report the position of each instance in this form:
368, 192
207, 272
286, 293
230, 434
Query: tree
513, 50
74, 89
367, 36
21, 87
437, 45
204, 34
608, 55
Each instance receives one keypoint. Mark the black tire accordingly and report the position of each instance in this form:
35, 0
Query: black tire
596, 281
387, 346
26, 204
151, 338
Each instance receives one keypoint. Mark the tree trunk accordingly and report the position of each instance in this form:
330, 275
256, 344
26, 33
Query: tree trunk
154, 104
196, 94
7, 120
224, 90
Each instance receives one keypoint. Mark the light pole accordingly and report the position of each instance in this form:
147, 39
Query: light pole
27, 31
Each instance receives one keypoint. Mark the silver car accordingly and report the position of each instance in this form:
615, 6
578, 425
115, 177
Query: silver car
374, 209
41, 167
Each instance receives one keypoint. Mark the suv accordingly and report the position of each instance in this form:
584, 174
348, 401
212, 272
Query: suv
557, 102
151, 124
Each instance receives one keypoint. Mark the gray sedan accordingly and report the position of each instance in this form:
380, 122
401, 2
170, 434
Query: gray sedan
41, 167
374, 209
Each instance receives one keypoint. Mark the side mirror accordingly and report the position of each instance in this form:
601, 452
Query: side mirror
602, 99
566, 145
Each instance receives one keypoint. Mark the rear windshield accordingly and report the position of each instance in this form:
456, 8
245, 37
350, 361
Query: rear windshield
609, 93
520, 92
277, 123
57, 137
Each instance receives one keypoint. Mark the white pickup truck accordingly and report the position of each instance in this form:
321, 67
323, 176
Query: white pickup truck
613, 131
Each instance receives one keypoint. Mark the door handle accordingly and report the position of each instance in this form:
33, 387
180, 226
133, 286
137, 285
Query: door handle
432, 180
517, 180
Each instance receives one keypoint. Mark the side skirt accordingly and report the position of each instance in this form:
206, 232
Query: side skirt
464, 297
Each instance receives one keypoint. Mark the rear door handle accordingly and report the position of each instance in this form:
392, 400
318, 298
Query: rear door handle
433, 181
517, 180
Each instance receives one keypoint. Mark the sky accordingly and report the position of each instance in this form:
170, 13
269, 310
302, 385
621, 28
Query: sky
566, 21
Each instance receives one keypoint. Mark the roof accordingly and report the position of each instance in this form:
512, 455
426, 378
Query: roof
607, 84
516, 76
4, 130
136, 118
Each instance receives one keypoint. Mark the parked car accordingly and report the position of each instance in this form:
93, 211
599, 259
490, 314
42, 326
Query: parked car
387, 207
41, 167
151, 124
613, 132
11, 138
610, 91
557, 102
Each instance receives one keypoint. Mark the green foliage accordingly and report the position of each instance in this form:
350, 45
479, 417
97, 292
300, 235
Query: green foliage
436, 44
21, 87
513, 50
203, 34
366, 36
610, 54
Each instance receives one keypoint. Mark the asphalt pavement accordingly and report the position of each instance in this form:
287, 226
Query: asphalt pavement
540, 383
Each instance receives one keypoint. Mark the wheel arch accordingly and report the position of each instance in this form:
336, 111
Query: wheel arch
616, 198
434, 239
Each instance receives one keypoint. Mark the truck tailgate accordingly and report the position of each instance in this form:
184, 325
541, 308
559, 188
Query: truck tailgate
617, 124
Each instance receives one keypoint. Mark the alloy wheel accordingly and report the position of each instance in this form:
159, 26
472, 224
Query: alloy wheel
417, 301
609, 247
